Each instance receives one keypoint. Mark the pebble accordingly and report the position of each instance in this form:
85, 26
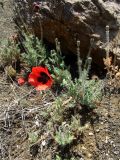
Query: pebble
114, 145
91, 144
97, 130
91, 134
90, 155
83, 148
111, 142
43, 143
107, 139
81, 159
116, 152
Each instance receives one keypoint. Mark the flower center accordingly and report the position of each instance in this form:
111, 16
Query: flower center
43, 78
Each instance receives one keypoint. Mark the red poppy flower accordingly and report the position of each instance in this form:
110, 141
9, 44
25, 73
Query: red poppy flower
40, 78
21, 81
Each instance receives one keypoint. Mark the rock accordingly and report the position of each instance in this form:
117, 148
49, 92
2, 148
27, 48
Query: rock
89, 155
91, 134
72, 20
97, 130
34, 150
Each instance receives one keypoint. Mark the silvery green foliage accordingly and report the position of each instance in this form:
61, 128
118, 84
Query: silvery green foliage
64, 135
35, 53
84, 91
9, 53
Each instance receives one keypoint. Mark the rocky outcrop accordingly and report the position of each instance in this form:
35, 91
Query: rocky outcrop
7, 26
72, 20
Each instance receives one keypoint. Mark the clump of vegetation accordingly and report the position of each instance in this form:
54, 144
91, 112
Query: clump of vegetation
34, 51
9, 53
10, 57
32, 137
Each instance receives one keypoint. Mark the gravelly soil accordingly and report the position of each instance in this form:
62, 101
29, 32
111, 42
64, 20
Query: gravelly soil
101, 140
108, 129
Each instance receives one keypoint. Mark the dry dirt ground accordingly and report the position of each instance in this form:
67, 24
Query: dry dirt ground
101, 140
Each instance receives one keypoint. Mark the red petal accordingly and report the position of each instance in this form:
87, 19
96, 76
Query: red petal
21, 81
34, 75
38, 69
41, 87
32, 79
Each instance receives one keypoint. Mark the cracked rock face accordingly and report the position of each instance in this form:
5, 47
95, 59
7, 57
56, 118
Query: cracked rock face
72, 20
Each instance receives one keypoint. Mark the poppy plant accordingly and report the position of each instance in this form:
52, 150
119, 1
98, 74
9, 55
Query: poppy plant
40, 78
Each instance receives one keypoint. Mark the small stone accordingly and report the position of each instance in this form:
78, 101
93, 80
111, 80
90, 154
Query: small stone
89, 155
34, 150
116, 152
114, 145
107, 154
97, 130
37, 123
83, 148
91, 144
91, 134
43, 143
107, 139
111, 142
